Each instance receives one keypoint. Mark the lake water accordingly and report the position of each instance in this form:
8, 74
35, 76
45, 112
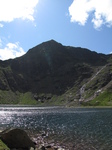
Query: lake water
77, 128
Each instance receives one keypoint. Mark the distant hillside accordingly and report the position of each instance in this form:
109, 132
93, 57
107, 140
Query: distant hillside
51, 73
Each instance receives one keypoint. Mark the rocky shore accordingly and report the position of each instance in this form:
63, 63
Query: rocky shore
18, 139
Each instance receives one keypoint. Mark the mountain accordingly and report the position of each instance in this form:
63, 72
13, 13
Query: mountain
51, 73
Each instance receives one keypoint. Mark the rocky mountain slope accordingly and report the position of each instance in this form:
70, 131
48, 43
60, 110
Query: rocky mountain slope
51, 73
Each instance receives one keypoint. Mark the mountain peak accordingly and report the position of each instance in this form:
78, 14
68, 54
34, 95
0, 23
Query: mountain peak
53, 42
46, 46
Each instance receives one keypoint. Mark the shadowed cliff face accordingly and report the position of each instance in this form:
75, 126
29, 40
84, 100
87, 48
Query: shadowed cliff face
50, 68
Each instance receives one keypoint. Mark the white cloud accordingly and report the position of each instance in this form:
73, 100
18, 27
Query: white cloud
1, 25
11, 50
100, 11
15, 9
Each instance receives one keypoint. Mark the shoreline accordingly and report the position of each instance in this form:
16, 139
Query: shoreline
53, 106
50, 142
50, 129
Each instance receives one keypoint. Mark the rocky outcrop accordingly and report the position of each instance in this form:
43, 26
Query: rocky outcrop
17, 138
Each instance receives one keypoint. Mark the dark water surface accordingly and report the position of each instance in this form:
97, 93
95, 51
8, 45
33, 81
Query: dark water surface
80, 128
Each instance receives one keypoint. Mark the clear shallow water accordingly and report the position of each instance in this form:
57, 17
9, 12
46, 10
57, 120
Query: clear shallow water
80, 128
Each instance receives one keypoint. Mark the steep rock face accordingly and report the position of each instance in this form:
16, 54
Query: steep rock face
50, 68
99, 87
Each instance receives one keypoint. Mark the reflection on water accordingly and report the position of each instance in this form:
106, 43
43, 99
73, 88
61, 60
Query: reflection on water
82, 127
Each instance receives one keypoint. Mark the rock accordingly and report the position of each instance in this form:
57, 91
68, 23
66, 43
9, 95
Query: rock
43, 135
17, 138
31, 148
42, 148
49, 146
61, 148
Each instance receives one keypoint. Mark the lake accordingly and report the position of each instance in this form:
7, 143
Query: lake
77, 128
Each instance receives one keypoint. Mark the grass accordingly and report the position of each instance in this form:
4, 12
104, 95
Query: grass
9, 97
27, 99
66, 99
3, 146
104, 99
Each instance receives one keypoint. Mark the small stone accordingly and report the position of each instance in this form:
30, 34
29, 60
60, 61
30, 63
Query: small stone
61, 148
31, 148
43, 148
43, 135
49, 146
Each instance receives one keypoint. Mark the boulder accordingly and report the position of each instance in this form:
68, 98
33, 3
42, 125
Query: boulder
17, 138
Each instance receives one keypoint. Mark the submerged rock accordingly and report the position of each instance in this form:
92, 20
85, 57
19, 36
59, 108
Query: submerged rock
17, 138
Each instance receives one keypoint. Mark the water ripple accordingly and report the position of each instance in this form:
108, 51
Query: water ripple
81, 126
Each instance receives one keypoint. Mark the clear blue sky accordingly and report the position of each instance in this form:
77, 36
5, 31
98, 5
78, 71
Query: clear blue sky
79, 23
